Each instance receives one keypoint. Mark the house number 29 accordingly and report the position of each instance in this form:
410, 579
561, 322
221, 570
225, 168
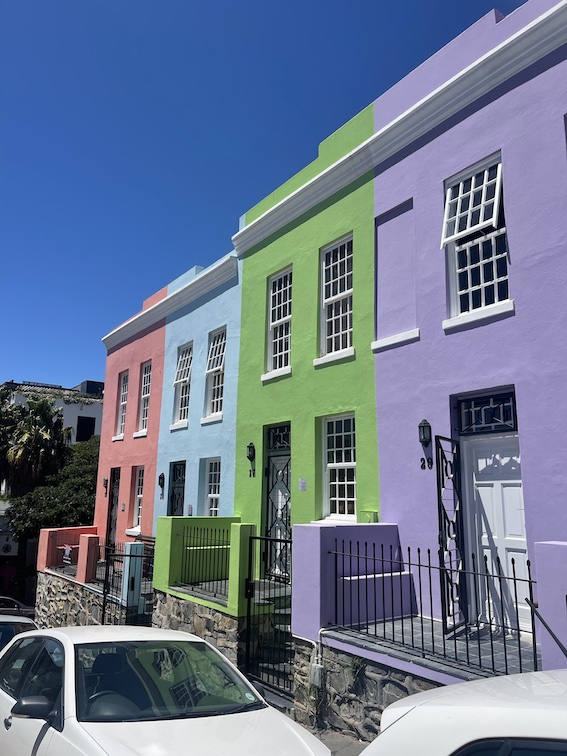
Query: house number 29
426, 464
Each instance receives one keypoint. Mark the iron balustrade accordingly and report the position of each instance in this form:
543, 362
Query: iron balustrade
205, 560
483, 620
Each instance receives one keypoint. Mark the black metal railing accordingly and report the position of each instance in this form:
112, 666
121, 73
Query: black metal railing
466, 614
134, 606
205, 560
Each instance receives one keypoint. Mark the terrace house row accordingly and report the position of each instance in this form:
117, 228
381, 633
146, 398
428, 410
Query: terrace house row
393, 344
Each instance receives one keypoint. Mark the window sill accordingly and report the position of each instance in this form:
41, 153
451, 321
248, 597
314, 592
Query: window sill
273, 374
340, 518
119, 437
210, 419
140, 433
133, 532
482, 315
342, 354
179, 425
398, 339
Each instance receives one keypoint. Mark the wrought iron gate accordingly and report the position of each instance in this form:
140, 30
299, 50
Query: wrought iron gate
269, 643
451, 535
128, 597
278, 497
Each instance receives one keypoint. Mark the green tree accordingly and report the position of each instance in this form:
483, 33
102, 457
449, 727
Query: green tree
38, 445
10, 414
66, 499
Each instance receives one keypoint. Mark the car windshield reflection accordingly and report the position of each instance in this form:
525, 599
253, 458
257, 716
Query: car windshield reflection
149, 680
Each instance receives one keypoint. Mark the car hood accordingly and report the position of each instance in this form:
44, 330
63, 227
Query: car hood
243, 734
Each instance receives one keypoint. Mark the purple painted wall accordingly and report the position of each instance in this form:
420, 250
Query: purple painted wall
525, 122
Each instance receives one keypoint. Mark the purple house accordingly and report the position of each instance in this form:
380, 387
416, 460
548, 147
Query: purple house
470, 162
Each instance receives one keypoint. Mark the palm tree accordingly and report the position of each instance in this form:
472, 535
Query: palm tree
38, 447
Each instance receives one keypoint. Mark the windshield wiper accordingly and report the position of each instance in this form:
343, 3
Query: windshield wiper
249, 706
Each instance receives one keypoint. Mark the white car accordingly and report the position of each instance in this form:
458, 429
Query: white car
120, 691
13, 625
512, 715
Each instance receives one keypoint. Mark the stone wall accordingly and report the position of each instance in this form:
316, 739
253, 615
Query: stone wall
353, 693
221, 630
60, 602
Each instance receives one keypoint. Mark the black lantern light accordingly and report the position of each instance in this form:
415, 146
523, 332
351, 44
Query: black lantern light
251, 456
105, 485
161, 483
424, 433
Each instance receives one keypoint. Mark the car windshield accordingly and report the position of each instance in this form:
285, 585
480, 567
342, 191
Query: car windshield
152, 680
8, 630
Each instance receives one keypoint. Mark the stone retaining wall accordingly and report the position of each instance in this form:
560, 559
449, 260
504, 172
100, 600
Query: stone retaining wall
60, 602
353, 694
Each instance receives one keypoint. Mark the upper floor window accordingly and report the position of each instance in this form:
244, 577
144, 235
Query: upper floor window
475, 234
340, 465
145, 387
336, 279
182, 384
215, 373
213, 487
279, 333
122, 401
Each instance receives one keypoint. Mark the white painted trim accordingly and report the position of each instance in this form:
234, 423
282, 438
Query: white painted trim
119, 437
334, 356
209, 279
179, 425
275, 374
396, 340
140, 433
516, 53
483, 314
210, 419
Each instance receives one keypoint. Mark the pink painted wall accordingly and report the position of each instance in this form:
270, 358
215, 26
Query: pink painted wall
130, 452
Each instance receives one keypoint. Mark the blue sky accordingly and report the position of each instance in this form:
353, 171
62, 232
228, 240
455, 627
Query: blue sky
134, 133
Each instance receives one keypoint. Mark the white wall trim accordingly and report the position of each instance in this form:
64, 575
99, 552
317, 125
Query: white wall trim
406, 337
273, 374
334, 356
179, 425
483, 314
208, 280
140, 433
530, 44
210, 419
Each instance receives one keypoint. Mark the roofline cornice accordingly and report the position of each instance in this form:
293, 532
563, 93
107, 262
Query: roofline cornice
522, 49
208, 280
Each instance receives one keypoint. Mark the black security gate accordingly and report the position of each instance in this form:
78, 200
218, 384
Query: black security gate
451, 534
278, 498
128, 597
269, 643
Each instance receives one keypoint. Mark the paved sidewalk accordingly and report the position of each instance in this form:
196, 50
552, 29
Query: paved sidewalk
339, 743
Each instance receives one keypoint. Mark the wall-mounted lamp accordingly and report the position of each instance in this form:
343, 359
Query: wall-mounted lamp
161, 483
105, 486
424, 433
251, 456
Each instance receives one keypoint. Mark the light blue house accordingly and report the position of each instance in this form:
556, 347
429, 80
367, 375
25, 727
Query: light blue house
196, 448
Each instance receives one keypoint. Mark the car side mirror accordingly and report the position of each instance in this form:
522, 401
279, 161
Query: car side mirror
32, 707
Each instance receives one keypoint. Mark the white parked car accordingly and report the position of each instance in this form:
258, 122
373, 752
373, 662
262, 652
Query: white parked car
512, 715
13, 625
117, 691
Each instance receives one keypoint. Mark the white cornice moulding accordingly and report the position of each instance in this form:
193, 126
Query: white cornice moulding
210, 278
530, 44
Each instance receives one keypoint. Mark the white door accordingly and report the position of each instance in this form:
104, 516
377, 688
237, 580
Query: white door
495, 527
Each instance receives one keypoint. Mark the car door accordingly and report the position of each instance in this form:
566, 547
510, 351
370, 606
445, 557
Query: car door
32, 666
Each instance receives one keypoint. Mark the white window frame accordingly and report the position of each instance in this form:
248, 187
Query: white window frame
139, 497
212, 486
339, 465
122, 404
145, 389
279, 322
472, 200
477, 255
182, 385
336, 292
214, 374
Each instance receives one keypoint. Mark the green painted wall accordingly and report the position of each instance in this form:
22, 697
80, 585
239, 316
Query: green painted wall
345, 139
309, 394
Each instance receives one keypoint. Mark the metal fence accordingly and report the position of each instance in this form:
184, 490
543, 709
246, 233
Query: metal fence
205, 561
483, 620
127, 576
